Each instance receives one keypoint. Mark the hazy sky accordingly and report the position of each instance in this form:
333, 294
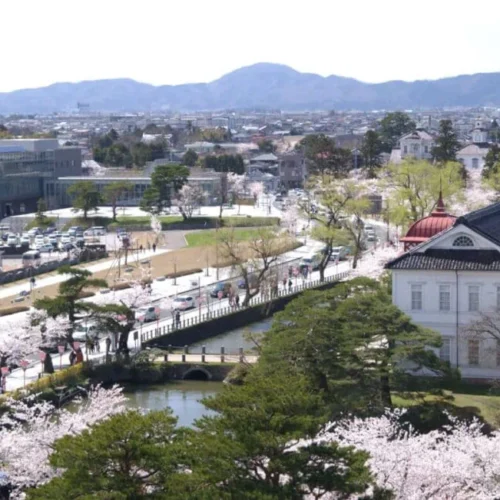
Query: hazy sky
181, 41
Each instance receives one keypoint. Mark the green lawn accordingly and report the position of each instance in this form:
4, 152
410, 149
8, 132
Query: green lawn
474, 398
208, 237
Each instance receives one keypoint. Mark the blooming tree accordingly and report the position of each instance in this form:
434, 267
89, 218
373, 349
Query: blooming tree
457, 461
290, 219
235, 187
28, 430
188, 198
256, 189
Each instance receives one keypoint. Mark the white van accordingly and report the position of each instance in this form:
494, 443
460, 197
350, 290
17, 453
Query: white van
32, 258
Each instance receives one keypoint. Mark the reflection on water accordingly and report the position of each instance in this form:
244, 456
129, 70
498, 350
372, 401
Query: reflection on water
234, 339
184, 398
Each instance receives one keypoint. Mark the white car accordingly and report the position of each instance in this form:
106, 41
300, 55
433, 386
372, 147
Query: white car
85, 330
184, 303
65, 238
25, 239
39, 241
46, 248
12, 240
147, 314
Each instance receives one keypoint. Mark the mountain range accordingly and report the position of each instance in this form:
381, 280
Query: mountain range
260, 86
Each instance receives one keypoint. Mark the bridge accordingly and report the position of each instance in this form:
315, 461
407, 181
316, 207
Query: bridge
167, 329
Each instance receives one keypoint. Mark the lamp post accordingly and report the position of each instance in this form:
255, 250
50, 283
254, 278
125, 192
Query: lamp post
24, 363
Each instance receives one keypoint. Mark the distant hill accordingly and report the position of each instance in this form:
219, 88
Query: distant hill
261, 86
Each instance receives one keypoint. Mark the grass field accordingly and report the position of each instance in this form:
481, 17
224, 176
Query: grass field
208, 238
475, 397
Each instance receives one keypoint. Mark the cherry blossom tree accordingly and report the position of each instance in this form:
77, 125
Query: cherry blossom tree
235, 187
458, 461
29, 428
256, 189
188, 199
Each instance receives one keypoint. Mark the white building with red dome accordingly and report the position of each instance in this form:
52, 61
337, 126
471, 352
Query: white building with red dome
450, 278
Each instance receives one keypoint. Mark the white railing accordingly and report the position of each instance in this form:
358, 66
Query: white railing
264, 298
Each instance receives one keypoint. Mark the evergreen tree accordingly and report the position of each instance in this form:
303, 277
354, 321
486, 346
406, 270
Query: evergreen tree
447, 144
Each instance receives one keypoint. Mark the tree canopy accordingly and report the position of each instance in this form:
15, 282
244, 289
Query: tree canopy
166, 181
447, 144
392, 127
84, 196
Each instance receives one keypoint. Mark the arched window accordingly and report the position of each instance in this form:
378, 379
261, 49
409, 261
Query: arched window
463, 241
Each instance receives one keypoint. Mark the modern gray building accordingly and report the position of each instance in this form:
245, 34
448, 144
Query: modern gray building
211, 183
28, 171
292, 170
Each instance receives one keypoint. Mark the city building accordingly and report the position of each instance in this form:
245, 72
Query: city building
473, 156
292, 170
28, 171
417, 144
210, 182
452, 281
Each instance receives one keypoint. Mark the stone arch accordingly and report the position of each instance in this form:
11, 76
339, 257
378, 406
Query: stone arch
197, 373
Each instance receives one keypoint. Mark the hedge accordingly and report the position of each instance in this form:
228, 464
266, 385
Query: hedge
13, 310
120, 286
179, 274
90, 222
176, 222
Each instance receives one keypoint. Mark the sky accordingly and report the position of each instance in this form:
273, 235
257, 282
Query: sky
185, 41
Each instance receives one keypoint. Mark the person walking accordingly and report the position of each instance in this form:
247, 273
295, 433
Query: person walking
237, 301
177, 319
290, 285
154, 247
72, 357
141, 249
108, 344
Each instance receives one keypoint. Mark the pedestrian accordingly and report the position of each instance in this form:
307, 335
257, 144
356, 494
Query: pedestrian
290, 285
97, 345
290, 271
154, 247
177, 319
141, 249
79, 356
72, 357
237, 300
284, 282
108, 344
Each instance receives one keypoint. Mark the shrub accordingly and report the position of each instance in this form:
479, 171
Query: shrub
179, 274
72, 375
120, 286
13, 310
43, 223
91, 221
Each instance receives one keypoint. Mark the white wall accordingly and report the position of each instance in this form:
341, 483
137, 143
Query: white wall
451, 323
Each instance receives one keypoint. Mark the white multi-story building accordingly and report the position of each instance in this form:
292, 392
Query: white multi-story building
417, 144
452, 281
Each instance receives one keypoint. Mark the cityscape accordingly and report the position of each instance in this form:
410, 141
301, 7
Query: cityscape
280, 284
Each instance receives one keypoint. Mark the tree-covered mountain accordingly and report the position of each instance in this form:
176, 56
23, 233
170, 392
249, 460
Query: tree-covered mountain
263, 86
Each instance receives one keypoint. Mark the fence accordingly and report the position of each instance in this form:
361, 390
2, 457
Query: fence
262, 299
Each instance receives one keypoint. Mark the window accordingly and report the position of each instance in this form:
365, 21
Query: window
416, 297
473, 298
444, 297
475, 163
473, 352
445, 350
463, 241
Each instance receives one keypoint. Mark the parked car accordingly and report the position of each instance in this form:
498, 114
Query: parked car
99, 230
86, 330
339, 253
220, 287
184, 303
25, 240
12, 240
65, 238
311, 262
147, 314
34, 231
252, 281
46, 248
66, 247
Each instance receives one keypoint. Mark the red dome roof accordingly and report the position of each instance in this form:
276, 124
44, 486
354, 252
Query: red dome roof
426, 228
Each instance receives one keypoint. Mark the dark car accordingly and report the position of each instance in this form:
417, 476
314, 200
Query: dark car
252, 281
67, 247
220, 287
